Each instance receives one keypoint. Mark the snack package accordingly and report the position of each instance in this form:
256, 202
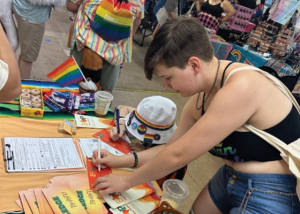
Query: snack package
87, 98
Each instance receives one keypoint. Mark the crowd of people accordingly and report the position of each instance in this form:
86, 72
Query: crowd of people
223, 97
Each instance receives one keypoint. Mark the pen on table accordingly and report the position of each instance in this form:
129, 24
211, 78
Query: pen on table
99, 153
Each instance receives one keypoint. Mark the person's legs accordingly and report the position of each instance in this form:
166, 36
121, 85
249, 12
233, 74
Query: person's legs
30, 39
204, 204
109, 76
25, 68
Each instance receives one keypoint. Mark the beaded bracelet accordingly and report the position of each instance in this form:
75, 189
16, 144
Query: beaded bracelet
136, 159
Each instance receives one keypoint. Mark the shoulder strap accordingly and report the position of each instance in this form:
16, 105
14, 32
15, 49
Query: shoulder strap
273, 79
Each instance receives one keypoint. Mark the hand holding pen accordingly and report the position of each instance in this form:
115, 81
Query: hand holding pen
99, 153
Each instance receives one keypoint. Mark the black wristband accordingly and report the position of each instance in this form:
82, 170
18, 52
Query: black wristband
136, 159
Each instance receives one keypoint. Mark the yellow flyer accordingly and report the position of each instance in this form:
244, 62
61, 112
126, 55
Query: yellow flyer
143, 205
118, 199
63, 200
87, 197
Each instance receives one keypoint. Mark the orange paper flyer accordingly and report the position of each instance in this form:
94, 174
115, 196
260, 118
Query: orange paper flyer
31, 200
93, 173
63, 200
24, 202
44, 206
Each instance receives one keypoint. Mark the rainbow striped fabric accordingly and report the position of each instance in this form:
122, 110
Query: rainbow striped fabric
67, 73
113, 19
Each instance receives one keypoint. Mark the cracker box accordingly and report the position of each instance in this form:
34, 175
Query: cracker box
31, 102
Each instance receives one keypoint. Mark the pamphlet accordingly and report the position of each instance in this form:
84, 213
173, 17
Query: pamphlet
89, 122
63, 200
118, 199
143, 205
89, 200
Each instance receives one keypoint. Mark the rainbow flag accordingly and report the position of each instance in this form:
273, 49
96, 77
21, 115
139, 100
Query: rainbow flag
67, 73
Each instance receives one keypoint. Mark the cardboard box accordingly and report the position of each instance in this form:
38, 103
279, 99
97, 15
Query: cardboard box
32, 112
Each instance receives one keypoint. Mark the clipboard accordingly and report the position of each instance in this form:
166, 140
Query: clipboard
42, 154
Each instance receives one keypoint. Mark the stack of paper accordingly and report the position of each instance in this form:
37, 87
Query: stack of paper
141, 199
65, 194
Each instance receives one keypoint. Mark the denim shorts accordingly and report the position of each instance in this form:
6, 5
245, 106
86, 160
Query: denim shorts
235, 192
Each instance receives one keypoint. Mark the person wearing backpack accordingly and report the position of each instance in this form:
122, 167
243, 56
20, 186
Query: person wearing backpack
100, 58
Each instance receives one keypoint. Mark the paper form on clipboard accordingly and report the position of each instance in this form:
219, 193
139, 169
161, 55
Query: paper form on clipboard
41, 154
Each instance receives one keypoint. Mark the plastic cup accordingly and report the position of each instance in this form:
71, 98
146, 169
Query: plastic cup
175, 192
102, 102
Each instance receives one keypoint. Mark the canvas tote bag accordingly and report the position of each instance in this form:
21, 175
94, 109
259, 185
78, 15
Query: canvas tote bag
290, 153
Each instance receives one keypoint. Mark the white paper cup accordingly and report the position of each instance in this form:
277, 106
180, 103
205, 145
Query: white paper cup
102, 102
175, 191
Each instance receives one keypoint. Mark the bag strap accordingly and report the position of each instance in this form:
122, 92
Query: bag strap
273, 79
275, 142
190, 10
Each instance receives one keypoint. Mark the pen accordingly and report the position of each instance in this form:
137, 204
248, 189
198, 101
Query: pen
117, 119
99, 153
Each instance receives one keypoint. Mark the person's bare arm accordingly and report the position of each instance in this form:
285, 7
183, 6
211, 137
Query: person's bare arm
198, 6
136, 23
72, 7
228, 9
12, 88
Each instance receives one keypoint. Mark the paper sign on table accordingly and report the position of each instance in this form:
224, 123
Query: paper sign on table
89, 122
120, 198
143, 205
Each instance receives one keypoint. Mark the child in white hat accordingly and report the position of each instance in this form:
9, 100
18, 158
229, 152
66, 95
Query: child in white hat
152, 122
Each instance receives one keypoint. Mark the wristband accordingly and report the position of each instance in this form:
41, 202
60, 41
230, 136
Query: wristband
136, 160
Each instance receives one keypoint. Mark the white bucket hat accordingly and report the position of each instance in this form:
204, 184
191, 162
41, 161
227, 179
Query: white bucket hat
153, 121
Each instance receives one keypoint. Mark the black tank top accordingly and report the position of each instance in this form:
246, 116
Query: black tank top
214, 10
246, 146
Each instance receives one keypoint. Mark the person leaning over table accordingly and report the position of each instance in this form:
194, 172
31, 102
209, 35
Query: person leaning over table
254, 178
216, 8
152, 123
10, 80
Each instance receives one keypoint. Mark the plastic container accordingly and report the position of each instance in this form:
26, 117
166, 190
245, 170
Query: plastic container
31, 111
102, 102
175, 191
